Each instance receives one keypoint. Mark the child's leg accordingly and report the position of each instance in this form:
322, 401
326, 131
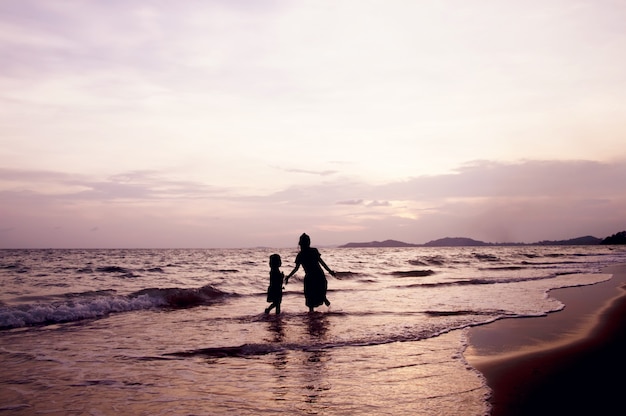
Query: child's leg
269, 308
277, 308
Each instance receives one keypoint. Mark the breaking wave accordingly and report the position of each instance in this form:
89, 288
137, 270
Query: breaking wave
413, 273
482, 281
94, 305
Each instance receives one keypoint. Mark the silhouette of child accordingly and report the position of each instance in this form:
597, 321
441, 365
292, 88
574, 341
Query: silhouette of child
275, 289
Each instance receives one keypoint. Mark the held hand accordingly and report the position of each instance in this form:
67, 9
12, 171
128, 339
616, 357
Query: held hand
332, 273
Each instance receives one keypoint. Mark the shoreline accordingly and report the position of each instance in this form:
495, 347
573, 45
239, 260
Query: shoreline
568, 362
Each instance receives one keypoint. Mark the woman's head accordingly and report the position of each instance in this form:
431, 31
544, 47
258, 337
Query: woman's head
305, 241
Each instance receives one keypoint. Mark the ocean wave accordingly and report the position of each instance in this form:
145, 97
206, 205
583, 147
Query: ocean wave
91, 293
121, 271
548, 263
467, 312
183, 298
244, 350
503, 268
347, 275
479, 281
94, 305
486, 257
413, 273
112, 269
429, 261
52, 313
257, 349
15, 267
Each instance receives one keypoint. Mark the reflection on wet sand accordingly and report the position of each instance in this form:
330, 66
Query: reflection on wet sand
276, 330
314, 374
317, 325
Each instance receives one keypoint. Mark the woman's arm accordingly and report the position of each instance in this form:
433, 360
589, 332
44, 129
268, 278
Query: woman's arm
295, 269
324, 265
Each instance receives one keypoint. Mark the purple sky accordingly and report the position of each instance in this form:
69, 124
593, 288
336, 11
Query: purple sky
244, 123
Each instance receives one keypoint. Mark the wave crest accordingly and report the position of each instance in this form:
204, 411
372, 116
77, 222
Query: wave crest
94, 305
413, 273
183, 298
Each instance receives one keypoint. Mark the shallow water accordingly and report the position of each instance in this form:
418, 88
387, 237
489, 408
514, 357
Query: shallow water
139, 369
182, 331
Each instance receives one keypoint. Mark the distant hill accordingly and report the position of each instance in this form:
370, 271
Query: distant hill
580, 241
456, 242
469, 242
442, 242
619, 238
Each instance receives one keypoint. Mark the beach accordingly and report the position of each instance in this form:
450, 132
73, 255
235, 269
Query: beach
568, 362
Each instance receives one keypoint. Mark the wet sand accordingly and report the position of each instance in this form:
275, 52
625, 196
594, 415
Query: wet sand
569, 362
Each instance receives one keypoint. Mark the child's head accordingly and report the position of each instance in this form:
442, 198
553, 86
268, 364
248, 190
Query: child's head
275, 260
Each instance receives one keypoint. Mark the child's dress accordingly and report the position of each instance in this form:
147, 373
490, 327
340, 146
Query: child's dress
275, 290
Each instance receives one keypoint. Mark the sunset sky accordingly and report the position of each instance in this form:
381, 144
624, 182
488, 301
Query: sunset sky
243, 123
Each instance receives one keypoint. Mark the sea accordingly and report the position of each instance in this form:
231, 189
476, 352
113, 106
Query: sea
183, 331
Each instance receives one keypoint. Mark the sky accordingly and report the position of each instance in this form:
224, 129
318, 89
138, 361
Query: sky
243, 123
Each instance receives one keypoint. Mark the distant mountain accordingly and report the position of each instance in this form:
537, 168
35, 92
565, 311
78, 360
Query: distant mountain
580, 241
443, 242
469, 242
456, 242
619, 238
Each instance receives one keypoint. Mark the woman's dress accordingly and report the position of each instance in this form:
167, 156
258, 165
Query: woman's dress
315, 283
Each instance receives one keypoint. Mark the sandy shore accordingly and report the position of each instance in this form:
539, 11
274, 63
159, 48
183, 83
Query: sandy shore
570, 362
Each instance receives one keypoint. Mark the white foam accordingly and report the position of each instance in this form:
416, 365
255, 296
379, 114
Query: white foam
37, 314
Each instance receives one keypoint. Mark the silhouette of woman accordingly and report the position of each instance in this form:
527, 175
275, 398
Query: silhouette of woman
315, 283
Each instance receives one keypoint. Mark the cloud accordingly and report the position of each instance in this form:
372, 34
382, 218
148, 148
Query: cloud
494, 201
531, 178
525, 201
134, 185
379, 204
312, 172
365, 203
351, 202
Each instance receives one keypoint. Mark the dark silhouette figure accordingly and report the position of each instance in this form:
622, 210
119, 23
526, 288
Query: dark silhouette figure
275, 289
315, 283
